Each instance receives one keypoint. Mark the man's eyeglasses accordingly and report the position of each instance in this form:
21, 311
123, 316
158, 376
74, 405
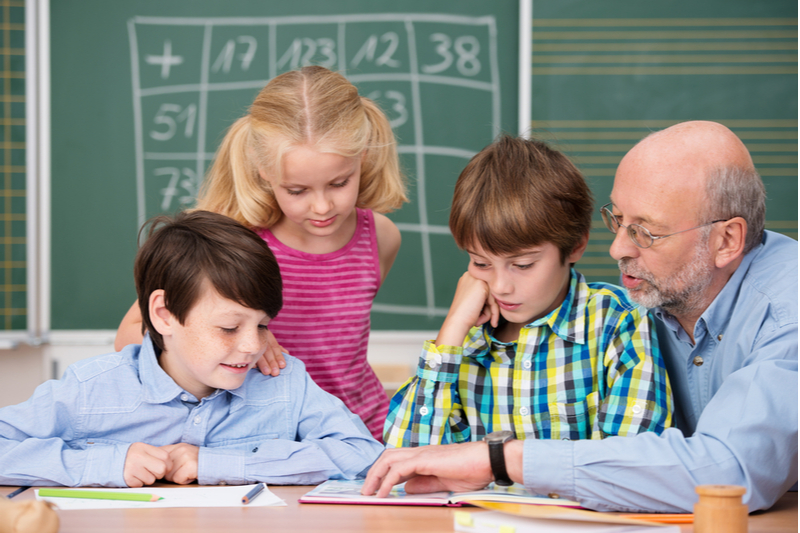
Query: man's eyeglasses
640, 236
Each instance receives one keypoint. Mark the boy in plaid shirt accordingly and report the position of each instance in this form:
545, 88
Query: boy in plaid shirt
528, 345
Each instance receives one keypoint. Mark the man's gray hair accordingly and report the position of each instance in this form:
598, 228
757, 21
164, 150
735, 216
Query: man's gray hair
734, 191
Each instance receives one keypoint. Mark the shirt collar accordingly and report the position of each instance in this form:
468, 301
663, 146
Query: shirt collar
568, 320
158, 386
718, 313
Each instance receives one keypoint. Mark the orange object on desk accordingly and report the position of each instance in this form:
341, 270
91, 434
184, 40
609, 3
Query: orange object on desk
685, 518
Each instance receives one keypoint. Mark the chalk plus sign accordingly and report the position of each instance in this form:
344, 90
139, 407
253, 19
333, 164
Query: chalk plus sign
166, 60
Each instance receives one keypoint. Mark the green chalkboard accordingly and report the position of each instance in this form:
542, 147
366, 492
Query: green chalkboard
143, 90
13, 208
605, 74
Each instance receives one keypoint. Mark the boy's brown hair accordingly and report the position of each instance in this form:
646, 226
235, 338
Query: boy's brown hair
517, 193
182, 252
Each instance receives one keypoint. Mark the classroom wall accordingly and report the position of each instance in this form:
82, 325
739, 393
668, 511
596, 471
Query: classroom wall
603, 75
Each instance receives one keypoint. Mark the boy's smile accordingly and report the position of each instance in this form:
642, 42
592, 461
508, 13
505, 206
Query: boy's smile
220, 341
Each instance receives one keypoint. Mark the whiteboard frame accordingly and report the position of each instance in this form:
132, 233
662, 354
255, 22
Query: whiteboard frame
525, 52
38, 176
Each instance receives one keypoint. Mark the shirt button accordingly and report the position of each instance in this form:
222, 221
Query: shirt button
222, 483
719, 337
553, 495
523, 411
197, 420
185, 397
432, 363
423, 411
698, 361
636, 409
527, 365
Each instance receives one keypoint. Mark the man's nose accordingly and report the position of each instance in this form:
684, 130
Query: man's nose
622, 246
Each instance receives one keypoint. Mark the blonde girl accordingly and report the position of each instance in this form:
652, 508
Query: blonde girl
311, 168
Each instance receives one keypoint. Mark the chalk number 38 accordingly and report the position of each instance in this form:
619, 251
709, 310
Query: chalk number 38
467, 48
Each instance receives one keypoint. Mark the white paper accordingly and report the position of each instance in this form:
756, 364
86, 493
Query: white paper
229, 496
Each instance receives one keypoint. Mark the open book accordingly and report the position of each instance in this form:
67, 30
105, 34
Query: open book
335, 491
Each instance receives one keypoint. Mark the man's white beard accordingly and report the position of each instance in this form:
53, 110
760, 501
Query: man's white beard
681, 293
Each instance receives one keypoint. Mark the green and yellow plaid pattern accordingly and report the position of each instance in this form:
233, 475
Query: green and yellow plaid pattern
589, 369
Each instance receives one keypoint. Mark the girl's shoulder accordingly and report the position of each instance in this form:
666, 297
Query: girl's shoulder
388, 239
386, 230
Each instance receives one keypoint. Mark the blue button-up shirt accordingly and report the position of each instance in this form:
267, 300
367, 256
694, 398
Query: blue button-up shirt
736, 411
281, 430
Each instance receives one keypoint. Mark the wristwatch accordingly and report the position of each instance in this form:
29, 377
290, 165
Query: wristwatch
497, 457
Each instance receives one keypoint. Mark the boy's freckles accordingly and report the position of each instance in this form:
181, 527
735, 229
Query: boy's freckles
220, 341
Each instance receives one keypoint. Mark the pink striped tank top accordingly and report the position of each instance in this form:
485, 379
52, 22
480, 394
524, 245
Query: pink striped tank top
325, 320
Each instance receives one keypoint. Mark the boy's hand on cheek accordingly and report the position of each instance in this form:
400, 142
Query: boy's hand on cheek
272, 361
144, 464
472, 305
183, 458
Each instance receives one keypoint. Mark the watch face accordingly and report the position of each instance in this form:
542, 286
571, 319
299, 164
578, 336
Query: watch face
500, 436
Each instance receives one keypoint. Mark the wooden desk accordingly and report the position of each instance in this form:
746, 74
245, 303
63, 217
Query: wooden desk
313, 518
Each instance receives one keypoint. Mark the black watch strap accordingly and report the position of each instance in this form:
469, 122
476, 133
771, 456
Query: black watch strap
497, 456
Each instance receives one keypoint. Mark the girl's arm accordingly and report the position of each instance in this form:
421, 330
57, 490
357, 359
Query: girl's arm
388, 237
130, 329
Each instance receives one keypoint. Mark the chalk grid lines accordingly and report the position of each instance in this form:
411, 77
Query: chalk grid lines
413, 76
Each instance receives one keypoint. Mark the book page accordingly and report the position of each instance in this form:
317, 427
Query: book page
350, 492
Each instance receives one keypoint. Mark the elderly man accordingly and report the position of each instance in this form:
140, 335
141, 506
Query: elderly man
688, 209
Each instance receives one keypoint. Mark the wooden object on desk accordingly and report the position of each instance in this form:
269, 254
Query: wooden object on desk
27, 516
720, 509
315, 518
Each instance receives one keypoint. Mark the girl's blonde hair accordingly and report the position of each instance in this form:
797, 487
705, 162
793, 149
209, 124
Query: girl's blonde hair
313, 107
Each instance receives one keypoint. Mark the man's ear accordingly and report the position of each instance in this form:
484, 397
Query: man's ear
577, 252
160, 317
728, 241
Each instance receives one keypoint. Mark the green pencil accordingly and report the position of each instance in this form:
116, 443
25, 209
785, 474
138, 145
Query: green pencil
98, 495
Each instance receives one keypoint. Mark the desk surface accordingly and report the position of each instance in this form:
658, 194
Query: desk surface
312, 518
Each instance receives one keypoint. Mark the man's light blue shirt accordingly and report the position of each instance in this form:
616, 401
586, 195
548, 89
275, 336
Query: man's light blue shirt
280, 430
736, 405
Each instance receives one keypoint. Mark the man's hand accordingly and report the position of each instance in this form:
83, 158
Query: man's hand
184, 463
472, 305
144, 464
272, 361
443, 467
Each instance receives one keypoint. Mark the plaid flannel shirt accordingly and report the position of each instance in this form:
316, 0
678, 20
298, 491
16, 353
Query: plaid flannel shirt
589, 369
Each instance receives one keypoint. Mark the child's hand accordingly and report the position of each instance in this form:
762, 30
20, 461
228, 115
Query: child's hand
144, 464
184, 463
472, 305
272, 360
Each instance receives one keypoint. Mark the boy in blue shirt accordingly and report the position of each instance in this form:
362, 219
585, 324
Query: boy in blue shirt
529, 349
184, 405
